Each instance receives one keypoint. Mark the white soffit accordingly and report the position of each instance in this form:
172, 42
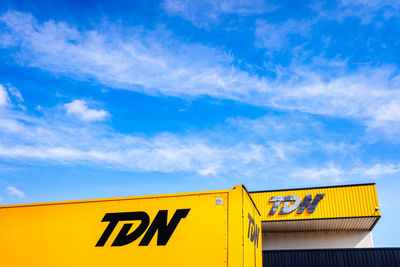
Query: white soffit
332, 224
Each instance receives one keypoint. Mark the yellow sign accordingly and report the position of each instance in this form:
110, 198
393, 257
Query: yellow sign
318, 203
190, 229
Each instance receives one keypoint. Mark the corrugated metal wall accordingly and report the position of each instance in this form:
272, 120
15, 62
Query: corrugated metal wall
385, 257
338, 202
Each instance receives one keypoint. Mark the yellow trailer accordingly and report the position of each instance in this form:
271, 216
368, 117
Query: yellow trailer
213, 228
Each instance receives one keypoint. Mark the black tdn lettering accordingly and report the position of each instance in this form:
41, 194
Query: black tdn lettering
255, 236
123, 237
254, 230
164, 230
309, 203
251, 226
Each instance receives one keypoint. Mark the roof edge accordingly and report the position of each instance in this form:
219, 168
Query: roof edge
305, 188
321, 219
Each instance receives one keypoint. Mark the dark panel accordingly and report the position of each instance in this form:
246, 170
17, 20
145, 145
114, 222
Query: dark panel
371, 257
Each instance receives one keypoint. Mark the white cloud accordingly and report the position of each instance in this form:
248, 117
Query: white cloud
365, 10
284, 149
208, 171
331, 173
163, 153
13, 191
16, 93
80, 109
142, 155
389, 111
150, 62
240, 148
267, 147
365, 94
381, 169
55, 139
204, 12
276, 36
154, 62
4, 99
336, 173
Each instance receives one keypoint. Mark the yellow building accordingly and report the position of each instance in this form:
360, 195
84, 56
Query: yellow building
319, 217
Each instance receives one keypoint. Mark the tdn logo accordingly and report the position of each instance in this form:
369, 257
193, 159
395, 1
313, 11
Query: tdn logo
287, 200
160, 224
254, 231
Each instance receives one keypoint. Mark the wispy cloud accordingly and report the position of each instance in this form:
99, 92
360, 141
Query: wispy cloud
276, 36
365, 10
80, 109
389, 111
16, 93
269, 147
242, 147
380, 169
154, 63
369, 94
194, 11
150, 155
149, 62
4, 99
13, 191
330, 173
56, 139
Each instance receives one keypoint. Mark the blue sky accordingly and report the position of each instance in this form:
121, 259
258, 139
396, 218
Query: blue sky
119, 98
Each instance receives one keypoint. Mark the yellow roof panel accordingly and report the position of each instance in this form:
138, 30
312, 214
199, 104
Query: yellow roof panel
347, 201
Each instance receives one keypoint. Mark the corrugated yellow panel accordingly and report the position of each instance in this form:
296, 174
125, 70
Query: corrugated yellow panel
252, 243
69, 234
337, 202
187, 229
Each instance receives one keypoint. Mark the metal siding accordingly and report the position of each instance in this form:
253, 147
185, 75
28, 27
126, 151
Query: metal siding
387, 257
65, 233
252, 249
338, 202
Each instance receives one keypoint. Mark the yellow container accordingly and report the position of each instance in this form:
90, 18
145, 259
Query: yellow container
214, 228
